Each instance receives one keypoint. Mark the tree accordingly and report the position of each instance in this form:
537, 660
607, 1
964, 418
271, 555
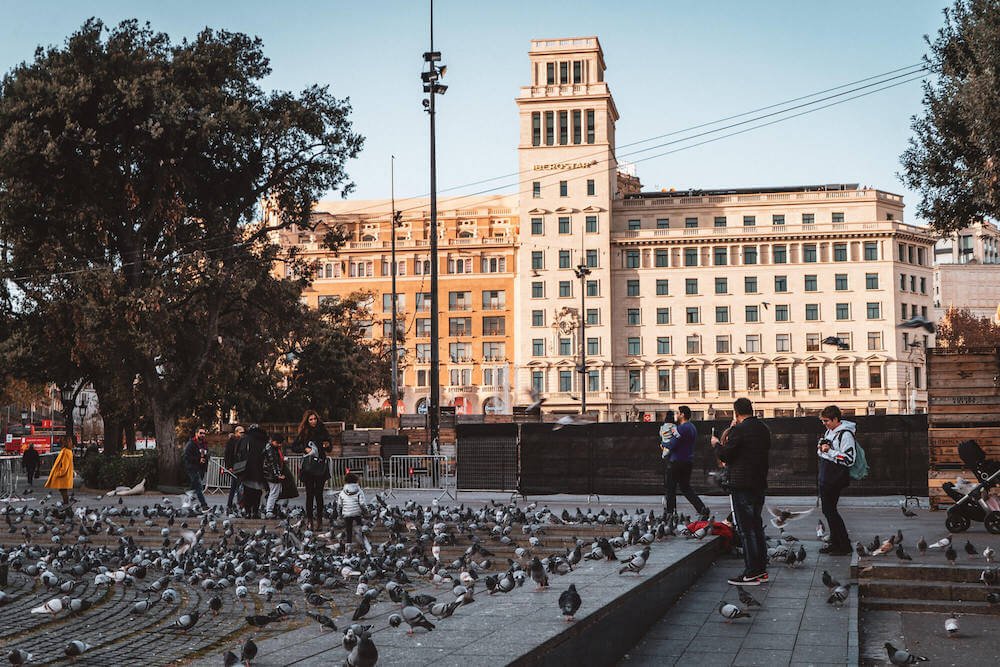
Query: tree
962, 329
132, 176
954, 156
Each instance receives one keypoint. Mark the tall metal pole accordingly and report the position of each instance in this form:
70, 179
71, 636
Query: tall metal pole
394, 397
582, 271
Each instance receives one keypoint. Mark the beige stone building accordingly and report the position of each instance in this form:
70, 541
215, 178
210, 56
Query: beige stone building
967, 271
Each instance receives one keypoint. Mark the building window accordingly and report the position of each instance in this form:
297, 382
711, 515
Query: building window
563, 127
663, 344
750, 255
780, 254
593, 316
721, 314
592, 258
663, 316
631, 259
593, 346
459, 326
721, 286
809, 252
811, 285
902, 252
749, 221
494, 264
663, 223
902, 282
812, 377
923, 285
753, 379
692, 315
812, 312
871, 281
550, 136
722, 345
874, 310
920, 256
423, 352
565, 347
781, 313
459, 300
840, 282
578, 137
494, 326
565, 381
421, 378
690, 285
593, 288
871, 251
536, 227
662, 287
536, 190
909, 254
808, 218
538, 290
720, 221
591, 224
694, 344
917, 372
634, 381
634, 346
913, 283
782, 343
537, 260
538, 318
777, 219
750, 284
660, 258
874, 340
423, 327
494, 351
812, 342
843, 311
537, 381
837, 217
753, 343
590, 126
690, 257
564, 226
563, 188
591, 189
632, 317
722, 379
903, 314
840, 252
536, 129
694, 379
784, 378
663, 379
634, 225
550, 73
874, 376
844, 377
593, 381
781, 283
632, 287
564, 259
752, 314
719, 256
690, 223
565, 288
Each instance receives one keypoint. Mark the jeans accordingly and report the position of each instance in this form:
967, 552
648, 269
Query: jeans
251, 502
747, 506
314, 497
234, 490
274, 490
195, 477
829, 495
678, 474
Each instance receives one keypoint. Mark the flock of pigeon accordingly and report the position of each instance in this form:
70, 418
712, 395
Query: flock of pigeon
169, 558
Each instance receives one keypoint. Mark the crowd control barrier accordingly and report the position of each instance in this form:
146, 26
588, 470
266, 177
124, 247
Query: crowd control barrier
426, 472
8, 475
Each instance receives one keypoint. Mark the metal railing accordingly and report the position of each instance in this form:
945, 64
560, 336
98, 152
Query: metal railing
8, 475
368, 469
427, 472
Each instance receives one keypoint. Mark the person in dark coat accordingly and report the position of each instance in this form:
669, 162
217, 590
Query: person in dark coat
29, 461
744, 448
229, 458
312, 429
274, 471
252, 477
314, 473
195, 458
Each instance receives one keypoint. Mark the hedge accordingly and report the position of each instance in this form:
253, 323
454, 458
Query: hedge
108, 471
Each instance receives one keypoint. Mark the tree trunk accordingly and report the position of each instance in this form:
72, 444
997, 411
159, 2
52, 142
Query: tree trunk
129, 436
167, 449
113, 439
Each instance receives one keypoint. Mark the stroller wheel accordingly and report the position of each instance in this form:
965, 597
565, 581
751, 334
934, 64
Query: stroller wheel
956, 523
992, 522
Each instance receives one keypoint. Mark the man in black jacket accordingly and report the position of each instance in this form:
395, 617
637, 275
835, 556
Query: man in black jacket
195, 458
229, 456
29, 460
744, 449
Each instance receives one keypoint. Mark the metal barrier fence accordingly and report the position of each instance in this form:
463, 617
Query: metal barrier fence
8, 475
367, 468
427, 472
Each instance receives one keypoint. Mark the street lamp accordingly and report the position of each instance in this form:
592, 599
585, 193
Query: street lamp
582, 271
68, 393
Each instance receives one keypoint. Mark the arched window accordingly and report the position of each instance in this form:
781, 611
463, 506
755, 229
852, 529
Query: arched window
493, 406
422, 406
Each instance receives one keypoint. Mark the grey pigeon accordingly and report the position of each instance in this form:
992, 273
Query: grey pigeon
395, 620
636, 563
445, 609
350, 640
569, 602
364, 654
76, 648
18, 657
416, 619
838, 596
746, 598
902, 656
248, 652
538, 575
325, 621
186, 621
229, 659
364, 607
730, 612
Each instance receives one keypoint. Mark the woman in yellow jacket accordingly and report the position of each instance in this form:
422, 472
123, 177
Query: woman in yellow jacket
61, 475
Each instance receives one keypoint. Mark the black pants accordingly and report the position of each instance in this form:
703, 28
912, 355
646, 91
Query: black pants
349, 523
31, 474
314, 497
678, 474
251, 502
829, 495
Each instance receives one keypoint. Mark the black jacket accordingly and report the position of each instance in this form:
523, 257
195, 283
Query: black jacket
193, 459
745, 451
319, 435
273, 464
229, 455
256, 443
30, 459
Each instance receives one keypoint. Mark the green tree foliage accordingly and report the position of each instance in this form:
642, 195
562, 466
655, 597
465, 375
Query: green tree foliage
132, 176
954, 155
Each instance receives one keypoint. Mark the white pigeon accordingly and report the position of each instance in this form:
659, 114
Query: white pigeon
53, 606
731, 612
940, 544
988, 554
951, 626
571, 420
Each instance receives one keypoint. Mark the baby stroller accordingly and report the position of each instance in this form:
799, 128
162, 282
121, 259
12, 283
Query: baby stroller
972, 505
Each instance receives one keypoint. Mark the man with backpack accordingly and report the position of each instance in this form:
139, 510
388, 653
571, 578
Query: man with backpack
837, 451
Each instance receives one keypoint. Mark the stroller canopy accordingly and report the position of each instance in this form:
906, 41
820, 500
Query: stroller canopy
971, 453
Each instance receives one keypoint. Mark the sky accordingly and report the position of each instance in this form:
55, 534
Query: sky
671, 65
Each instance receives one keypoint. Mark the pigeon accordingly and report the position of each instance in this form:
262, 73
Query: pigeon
909, 514
249, 652
951, 554
364, 607
951, 626
142, 606
922, 545
325, 621
731, 612
364, 654
989, 577
971, 550
76, 648
350, 640
838, 596
902, 656
571, 420
941, 544
779, 516
395, 620
992, 598
445, 609
902, 555
416, 619
820, 530
186, 621
636, 563
747, 599
988, 554
829, 581
215, 605
538, 575
258, 621
861, 551
229, 659
18, 657
569, 602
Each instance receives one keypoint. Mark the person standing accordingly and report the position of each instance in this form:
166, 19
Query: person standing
311, 429
61, 475
744, 448
314, 474
195, 457
836, 451
29, 461
678, 464
252, 475
350, 505
229, 459
274, 462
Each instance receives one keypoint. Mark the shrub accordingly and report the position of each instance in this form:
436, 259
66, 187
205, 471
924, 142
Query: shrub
107, 471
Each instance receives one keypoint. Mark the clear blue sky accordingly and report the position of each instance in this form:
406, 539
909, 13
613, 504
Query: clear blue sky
671, 65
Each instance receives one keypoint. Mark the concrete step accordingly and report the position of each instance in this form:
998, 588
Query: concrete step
959, 573
939, 606
935, 591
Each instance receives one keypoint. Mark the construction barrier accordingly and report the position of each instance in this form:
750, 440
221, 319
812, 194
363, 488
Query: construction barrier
8, 475
217, 480
367, 468
426, 472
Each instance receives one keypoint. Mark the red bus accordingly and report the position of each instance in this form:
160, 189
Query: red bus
45, 437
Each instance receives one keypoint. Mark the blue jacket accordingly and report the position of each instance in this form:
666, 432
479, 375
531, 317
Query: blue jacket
682, 447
